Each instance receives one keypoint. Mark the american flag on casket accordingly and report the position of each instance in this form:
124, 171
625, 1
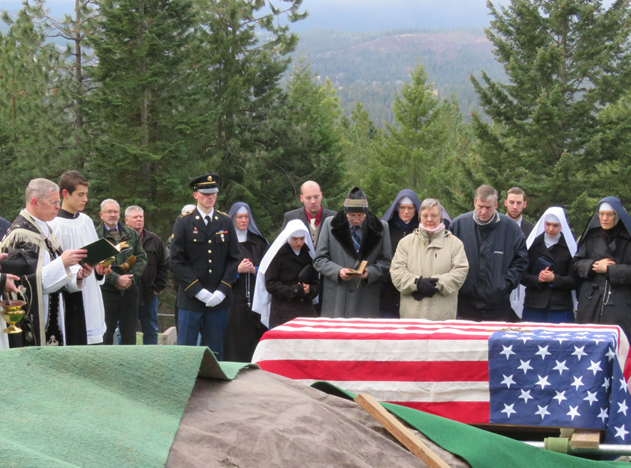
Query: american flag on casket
562, 375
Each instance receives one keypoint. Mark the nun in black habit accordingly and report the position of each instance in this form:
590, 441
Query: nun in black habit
603, 266
402, 219
244, 326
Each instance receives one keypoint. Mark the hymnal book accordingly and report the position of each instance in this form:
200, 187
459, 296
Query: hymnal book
102, 250
541, 264
360, 270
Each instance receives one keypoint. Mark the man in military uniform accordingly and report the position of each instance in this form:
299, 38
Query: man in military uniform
204, 259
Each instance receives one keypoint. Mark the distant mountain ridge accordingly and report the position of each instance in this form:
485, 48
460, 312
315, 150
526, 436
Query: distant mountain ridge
370, 66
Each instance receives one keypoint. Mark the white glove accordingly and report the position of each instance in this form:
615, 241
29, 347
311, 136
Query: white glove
215, 299
204, 295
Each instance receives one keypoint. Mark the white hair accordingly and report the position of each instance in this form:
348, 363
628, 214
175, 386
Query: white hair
109, 201
133, 208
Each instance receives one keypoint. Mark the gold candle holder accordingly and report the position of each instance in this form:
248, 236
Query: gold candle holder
12, 313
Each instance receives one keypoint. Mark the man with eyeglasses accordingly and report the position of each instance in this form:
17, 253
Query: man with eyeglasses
36, 256
497, 255
120, 289
603, 263
346, 240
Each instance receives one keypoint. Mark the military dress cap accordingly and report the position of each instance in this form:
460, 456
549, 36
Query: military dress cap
205, 184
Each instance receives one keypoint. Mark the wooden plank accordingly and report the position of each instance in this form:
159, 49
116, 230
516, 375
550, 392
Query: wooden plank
566, 432
584, 438
399, 431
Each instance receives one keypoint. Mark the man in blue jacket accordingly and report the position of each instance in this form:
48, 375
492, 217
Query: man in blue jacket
497, 255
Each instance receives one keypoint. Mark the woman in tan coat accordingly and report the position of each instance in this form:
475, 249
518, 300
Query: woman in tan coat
429, 267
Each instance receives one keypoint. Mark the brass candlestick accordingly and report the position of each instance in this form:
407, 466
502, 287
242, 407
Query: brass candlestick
12, 313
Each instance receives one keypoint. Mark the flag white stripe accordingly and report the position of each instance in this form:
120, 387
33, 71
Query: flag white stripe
371, 350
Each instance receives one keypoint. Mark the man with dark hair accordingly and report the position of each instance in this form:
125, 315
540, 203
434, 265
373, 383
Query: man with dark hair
85, 314
120, 289
347, 239
313, 213
204, 258
497, 255
153, 279
515, 203
34, 254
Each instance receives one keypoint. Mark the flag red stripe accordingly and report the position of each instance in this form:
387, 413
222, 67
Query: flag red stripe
377, 371
468, 412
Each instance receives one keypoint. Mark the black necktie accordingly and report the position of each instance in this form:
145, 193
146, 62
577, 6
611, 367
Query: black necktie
207, 218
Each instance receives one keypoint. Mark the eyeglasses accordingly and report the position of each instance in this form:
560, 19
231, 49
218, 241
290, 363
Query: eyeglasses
607, 214
111, 212
355, 215
406, 208
430, 216
56, 203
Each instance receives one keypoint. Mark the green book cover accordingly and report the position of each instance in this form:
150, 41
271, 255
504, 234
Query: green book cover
98, 251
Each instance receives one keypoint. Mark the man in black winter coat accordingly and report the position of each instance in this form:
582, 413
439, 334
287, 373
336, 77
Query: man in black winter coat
497, 255
153, 279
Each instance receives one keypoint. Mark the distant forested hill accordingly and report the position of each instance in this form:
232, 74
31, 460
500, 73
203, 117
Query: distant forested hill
370, 66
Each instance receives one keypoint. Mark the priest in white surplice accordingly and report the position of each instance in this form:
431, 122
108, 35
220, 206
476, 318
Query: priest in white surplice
85, 313
34, 254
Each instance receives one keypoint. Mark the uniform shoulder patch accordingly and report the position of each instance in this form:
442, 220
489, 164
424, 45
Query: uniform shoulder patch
225, 214
187, 213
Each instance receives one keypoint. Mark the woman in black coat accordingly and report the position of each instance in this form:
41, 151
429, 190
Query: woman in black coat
548, 279
292, 281
603, 263
244, 326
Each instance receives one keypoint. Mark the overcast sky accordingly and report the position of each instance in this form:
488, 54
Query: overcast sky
361, 15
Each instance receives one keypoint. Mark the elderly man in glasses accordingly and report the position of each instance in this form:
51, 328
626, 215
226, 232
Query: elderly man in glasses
120, 289
347, 239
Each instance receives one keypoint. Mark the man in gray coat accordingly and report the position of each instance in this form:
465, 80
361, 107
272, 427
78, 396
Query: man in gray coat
346, 239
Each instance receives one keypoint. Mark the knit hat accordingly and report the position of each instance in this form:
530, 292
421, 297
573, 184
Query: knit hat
356, 201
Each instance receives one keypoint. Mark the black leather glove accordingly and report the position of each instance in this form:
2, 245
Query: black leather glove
426, 287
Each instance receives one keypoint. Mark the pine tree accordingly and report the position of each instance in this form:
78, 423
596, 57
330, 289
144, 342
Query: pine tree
413, 153
564, 61
310, 147
137, 117
31, 114
358, 134
73, 84
239, 56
